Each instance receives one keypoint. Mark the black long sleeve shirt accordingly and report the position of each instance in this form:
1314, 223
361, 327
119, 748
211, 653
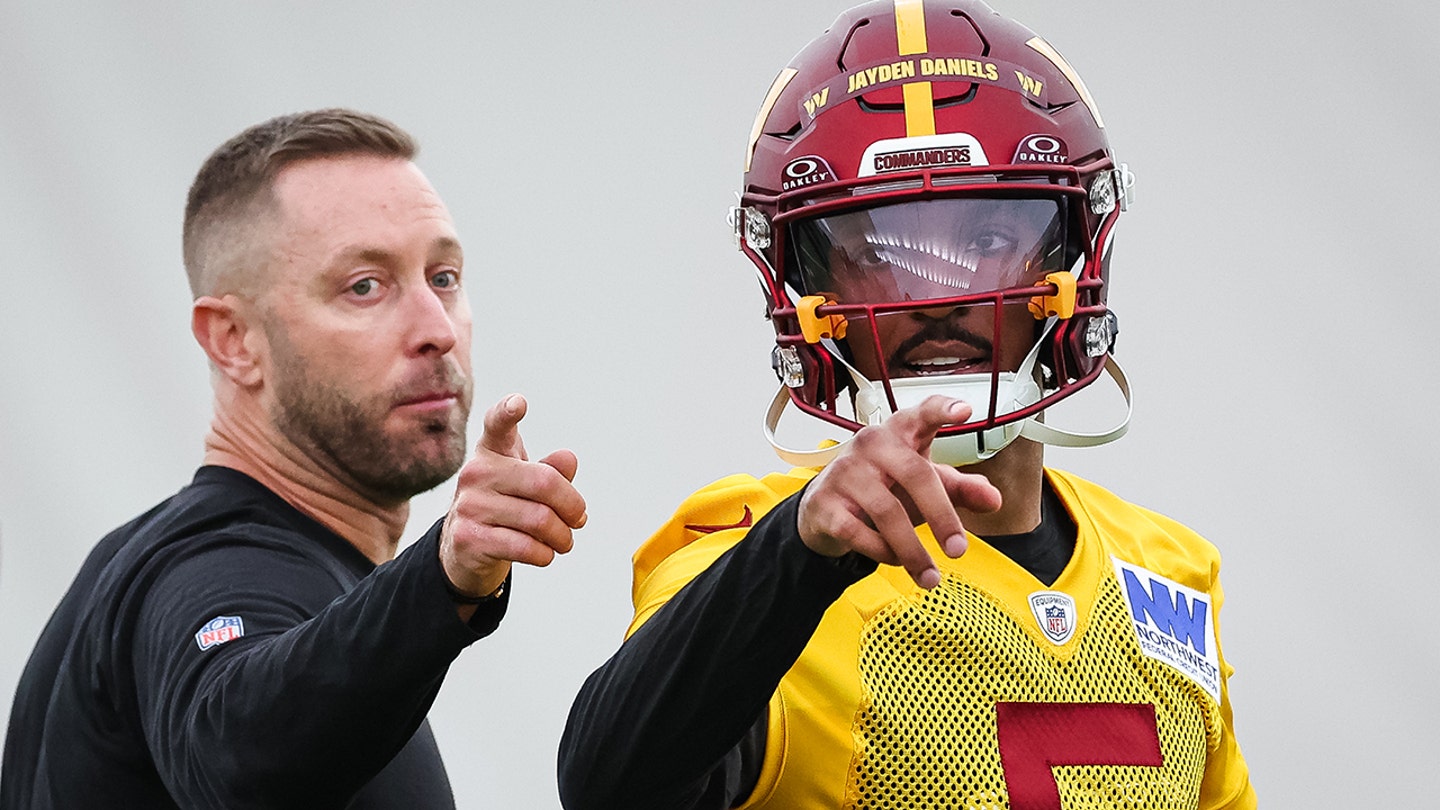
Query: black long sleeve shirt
310, 688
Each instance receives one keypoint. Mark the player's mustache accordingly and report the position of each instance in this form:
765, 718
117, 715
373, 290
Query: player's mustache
947, 328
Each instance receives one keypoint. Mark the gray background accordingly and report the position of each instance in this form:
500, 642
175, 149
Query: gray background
1275, 284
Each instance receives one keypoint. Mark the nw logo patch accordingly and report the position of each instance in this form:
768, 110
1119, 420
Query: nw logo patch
1174, 624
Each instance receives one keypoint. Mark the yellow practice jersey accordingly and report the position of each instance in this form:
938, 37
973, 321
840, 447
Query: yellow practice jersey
1106, 689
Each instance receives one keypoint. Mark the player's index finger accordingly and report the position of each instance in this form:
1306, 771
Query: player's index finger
926, 490
501, 432
923, 420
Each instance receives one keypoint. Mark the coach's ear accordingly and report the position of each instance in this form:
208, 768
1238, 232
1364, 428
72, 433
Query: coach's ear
225, 328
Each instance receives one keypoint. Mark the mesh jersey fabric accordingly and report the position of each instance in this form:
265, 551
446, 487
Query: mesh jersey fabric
956, 698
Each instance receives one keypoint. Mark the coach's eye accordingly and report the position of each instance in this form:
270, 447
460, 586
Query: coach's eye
363, 287
445, 279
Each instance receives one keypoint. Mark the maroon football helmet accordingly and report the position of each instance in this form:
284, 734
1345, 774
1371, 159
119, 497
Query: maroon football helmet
929, 196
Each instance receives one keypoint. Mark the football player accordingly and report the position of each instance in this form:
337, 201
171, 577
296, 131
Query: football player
923, 615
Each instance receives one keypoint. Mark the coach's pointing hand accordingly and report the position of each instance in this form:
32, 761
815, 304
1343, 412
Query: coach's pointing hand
844, 510
508, 508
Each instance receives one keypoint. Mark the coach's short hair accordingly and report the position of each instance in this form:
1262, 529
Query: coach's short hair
234, 187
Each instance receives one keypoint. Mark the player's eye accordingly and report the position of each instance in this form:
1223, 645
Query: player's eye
991, 243
364, 287
862, 259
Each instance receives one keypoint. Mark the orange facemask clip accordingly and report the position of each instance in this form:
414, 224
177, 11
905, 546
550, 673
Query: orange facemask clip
817, 327
1059, 305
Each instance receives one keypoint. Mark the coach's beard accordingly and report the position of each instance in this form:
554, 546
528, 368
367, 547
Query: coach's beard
388, 467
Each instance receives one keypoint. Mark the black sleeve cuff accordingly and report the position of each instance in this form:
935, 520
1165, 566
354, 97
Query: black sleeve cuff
489, 612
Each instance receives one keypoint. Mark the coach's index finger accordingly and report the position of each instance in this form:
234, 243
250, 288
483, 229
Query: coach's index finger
501, 433
567, 502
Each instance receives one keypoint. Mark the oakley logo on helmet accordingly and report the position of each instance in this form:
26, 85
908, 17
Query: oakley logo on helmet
928, 152
1041, 149
806, 171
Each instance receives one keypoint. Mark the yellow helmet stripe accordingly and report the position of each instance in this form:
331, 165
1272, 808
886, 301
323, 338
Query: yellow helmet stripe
776, 88
910, 26
910, 36
1044, 48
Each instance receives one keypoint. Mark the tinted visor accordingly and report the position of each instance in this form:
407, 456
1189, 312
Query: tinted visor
930, 249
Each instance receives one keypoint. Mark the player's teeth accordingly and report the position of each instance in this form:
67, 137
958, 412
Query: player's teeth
938, 361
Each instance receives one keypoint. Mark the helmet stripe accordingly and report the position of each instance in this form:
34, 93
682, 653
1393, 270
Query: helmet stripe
776, 88
919, 110
910, 26
1044, 48
911, 39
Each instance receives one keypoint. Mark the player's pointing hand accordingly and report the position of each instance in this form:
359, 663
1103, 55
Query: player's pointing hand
870, 498
508, 508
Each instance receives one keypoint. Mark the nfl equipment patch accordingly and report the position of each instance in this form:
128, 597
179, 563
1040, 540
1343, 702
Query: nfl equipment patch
1055, 612
219, 630
1174, 624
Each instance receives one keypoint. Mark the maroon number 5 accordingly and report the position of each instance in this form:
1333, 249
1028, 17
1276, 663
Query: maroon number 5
1034, 737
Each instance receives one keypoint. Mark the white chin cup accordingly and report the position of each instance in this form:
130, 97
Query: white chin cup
1014, 392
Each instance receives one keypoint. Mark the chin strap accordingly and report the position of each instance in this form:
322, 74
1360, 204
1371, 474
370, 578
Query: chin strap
1038, 431
1031, 428
818, 457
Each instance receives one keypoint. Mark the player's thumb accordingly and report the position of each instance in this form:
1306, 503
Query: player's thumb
969, 491
501, 430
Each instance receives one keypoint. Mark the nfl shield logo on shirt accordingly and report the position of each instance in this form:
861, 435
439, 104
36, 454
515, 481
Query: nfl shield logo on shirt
1055, 612
219, 630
